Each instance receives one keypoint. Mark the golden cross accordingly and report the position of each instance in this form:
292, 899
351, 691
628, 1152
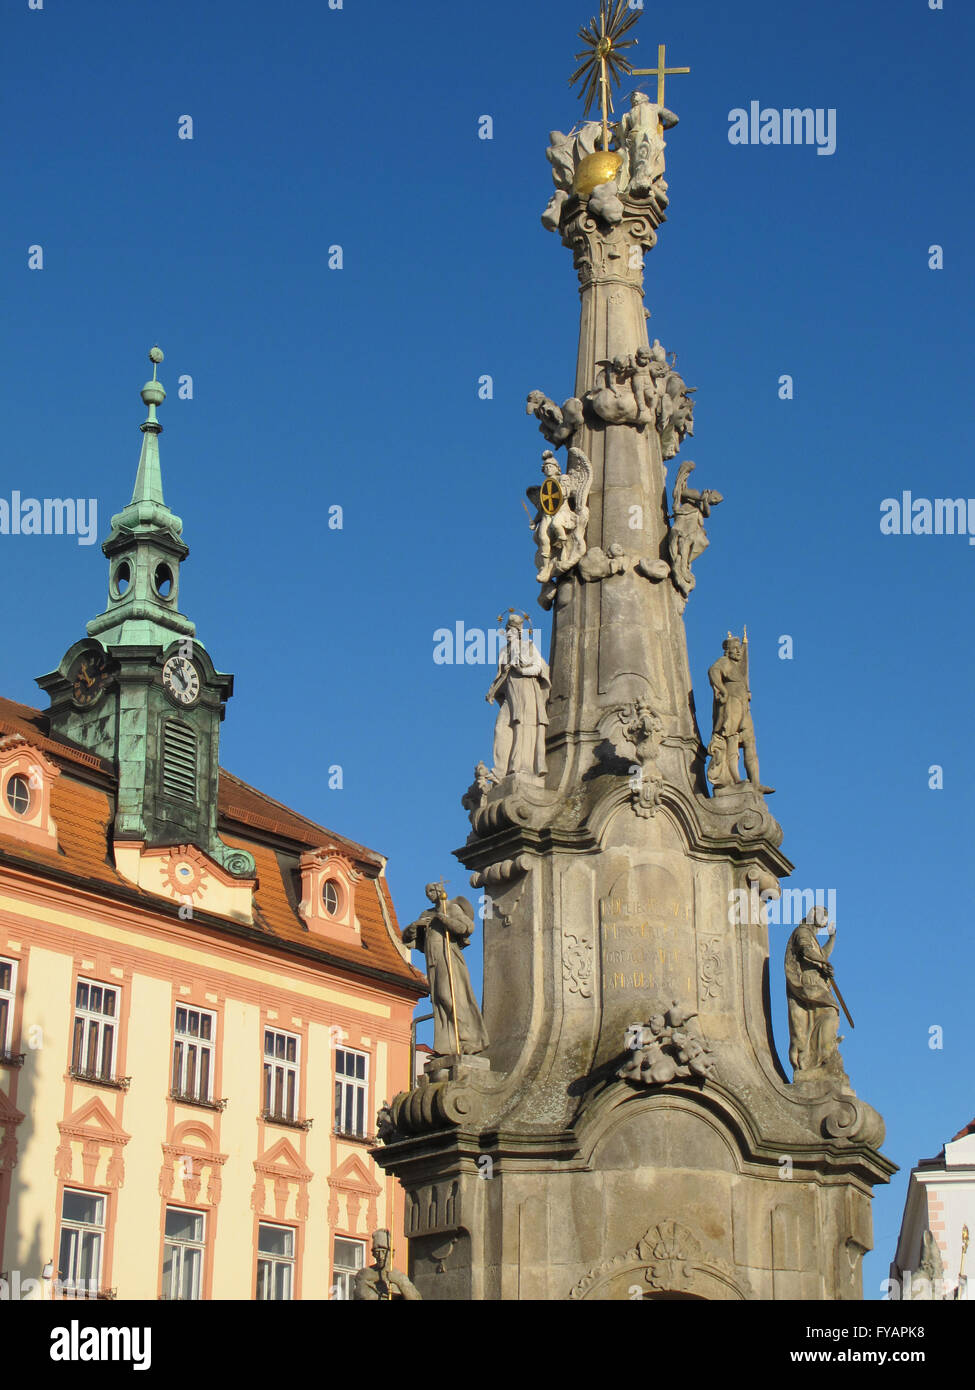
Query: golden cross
659, 72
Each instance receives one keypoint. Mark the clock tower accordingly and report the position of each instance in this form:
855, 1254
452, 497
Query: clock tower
140, 690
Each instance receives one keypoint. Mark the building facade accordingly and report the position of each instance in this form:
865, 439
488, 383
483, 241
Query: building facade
931, 1260
204, 997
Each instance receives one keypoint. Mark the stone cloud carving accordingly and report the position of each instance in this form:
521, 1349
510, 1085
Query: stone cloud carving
667, 1049
559, 425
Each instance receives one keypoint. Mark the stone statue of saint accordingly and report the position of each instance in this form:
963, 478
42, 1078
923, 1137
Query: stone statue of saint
442, 933
639, 135
814, 1014
521, 688
562, 514
379, 1282
733, 727
688, 538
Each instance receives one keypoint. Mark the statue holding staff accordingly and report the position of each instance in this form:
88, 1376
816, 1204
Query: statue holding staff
442, 933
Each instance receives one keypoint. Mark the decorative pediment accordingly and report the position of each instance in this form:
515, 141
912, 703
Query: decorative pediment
328, 879
26, 779
94, 1120
282, 1160
86, 1133
185, 875
354, 1176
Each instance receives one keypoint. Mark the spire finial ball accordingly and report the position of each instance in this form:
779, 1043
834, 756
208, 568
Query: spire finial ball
156, 354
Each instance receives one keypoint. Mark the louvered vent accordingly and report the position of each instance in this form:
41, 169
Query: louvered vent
179, 761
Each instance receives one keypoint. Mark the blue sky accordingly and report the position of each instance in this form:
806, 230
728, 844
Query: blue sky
358, 387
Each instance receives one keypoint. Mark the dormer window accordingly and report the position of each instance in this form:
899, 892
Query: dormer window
328, 882
26, 778
18, 794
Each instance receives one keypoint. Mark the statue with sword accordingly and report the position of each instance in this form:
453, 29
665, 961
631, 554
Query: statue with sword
814, 997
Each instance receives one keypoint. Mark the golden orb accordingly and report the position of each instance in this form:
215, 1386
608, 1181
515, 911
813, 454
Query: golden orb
600, 167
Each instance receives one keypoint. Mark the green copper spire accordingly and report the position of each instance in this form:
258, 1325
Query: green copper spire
145, 550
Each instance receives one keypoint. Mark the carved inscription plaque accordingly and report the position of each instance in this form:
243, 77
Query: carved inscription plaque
647, 948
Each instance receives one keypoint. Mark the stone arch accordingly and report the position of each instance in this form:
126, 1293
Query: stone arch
669, 1262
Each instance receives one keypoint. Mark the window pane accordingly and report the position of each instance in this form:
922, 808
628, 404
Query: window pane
267, 1086
193, 1022
291, 1111
282, 1281
360, 1066
68, 1254
204, 1092
177, 1066
350, 1254
292, 1049
89, 1264
338, 1104
108, 1006
91, 1057
263, 1279
95, 998
339, 1062
85, 1207
190, 1070
108, 1034
206, 1025
184, 1225
279, 1043
82, 996
268, 1044
6, 974
275, 1240
4, 1018
192, 1268
360, 1119
278, 1090
170, 1264
181, 1020
77, 1045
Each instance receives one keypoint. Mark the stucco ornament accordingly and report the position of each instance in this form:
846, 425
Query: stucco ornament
442, 933
643, 728
687, 538
521, 688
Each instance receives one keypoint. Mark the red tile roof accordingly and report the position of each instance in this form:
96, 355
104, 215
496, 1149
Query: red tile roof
81, 804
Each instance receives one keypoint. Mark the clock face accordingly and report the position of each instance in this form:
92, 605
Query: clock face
181, 679
89, 678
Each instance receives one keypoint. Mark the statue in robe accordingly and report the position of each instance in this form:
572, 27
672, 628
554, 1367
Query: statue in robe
814, 1014
442, 933
521, 688
639, 136
379, 1282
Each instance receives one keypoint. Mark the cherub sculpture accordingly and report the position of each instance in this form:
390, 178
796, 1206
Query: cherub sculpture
562, 514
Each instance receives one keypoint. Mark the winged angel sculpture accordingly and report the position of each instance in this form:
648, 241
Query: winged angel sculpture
562, 514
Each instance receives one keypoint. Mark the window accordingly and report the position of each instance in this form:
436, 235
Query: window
183, 1252
275, 1261
349, 1256
8, 985
280, 1075
330, 896
18, 795
351, 1084
95, 1023
193, 1040
82, 1238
